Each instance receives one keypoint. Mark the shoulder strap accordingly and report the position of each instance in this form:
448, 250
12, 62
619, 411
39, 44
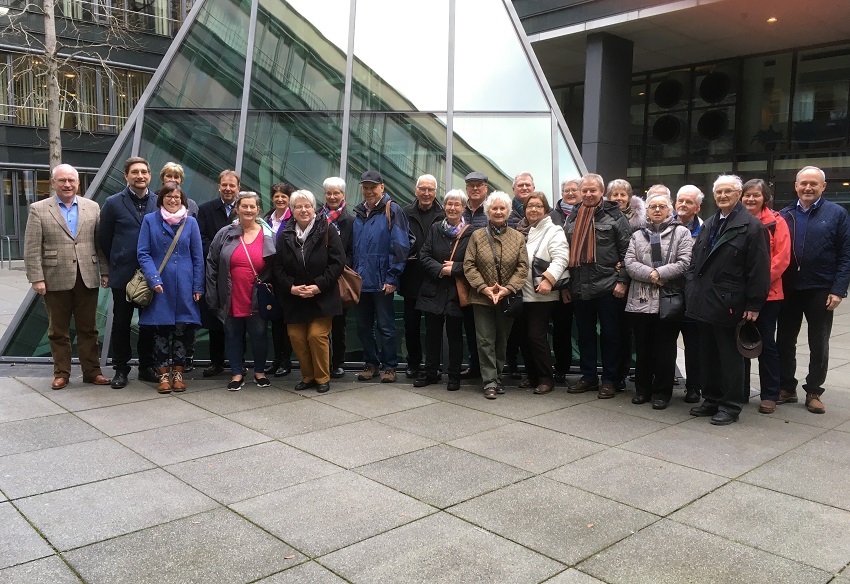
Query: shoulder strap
670, 245
171, 247
457, 241
389, 218
250, 263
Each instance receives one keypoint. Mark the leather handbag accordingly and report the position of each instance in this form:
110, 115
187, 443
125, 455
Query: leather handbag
138, 291
510, 305
350, 286
539, 265
461, 282
671, 299
267, 303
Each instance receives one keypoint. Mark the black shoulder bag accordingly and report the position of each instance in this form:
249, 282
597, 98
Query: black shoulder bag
510, 305
671, 300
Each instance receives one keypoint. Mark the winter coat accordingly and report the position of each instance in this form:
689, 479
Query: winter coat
439, 293
643, 294
780, 250
380, 247
212, 217
318, 261
517, 213
558, 216
724, 281
118, 235
420, 223
218, 284
344, 226
636, 213
613, 232
546, 241
479, 266
475, 219
181, 277
824, 260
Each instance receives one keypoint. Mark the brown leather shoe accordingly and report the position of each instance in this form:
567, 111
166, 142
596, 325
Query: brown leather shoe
99, 380
544, 388
767, 406
177, 383
607, 391
60, 382
368, 373
583, 386
164, 380
388, 376
814, 404
526, 384
787, 397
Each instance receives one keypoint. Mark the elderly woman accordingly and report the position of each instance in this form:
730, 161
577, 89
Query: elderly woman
757, 198
562, 312
310, 260
276, 218
442, 257
239, 254
173, 313
658, 255
496, 266
335, 209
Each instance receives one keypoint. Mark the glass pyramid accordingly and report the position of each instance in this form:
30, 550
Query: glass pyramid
299, 90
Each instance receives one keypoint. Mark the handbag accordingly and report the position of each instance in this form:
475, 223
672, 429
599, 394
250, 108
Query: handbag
461, 283
510, 305
539, 265
267, 302
350, 282
137, 289
671, 299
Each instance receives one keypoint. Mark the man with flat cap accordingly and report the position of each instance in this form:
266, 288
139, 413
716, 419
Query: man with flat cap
474, 216
381, 248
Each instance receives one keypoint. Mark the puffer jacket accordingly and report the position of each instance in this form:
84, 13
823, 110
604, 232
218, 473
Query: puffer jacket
676, 246
546, 241
380, 247
613, 231
780, 250
479, 266
439, 293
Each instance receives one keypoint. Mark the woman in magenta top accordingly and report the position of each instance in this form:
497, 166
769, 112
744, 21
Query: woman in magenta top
239, 251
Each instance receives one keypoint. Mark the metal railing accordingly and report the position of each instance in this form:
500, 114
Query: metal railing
8, 241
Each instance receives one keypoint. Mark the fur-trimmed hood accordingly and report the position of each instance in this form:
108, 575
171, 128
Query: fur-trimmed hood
636, 213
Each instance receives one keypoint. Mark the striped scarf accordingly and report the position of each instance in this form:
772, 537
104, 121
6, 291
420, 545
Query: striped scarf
583, 244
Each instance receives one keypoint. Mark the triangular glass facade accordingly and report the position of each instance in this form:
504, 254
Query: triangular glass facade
299, 90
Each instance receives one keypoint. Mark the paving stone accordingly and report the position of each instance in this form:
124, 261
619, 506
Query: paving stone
440, 548
573, 576
293, 418
81, 515
47, 432
529, 447
376, 400
677, 411
829, 447
597, 424
218, 546
443, 421
331, 512
21, 543
758, 430
220, 401
359, 443
671, 553
142, 415
191, 440
751, 515
442, 475
555, 519
516, 404
639, 481
834, 416
247, 472
51, 570
11, 387
307, 573
80, 397
26, 406
30, 473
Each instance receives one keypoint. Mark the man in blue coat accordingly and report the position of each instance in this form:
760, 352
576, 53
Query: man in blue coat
381, 247
814, 284
118, 236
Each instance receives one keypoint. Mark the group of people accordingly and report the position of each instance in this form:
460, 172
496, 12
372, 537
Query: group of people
499, 267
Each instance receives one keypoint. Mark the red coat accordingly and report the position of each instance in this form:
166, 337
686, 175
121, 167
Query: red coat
780, 250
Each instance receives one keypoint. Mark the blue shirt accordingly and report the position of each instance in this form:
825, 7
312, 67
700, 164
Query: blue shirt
70, 214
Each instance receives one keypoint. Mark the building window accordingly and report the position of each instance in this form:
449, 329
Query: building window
162, 17
819, 113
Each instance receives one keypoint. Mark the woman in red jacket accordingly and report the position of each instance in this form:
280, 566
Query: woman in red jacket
757, 198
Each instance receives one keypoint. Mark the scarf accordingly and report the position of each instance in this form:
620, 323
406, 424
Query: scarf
173, 218
583, 244
452, 230
628, 212
518, 207
496, 230
333, 215
653, 231
301, 235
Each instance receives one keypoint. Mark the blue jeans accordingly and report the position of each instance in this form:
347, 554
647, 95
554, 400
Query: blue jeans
234, 333
606, 309
377, 306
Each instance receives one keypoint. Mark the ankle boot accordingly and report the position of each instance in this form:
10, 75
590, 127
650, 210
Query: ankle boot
164, 379
177, 379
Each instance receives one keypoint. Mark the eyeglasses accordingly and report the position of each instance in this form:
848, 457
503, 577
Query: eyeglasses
173, 197
657, 207
426, 189
535, 206
302, 207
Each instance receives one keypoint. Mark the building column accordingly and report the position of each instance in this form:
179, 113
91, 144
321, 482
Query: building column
607, 100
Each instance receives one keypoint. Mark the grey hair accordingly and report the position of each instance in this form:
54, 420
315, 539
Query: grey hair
528, 174
430, 177
249, 195
302, 194
594, 177
456, 194
575, 181
497, 196
63, 166
734, 178
658, 195
619, 183
805, 168
659, 188
690, 189
334, 181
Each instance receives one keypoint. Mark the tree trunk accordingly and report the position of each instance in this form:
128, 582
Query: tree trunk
54, 106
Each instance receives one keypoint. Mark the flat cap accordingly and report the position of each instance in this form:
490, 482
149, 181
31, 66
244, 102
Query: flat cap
474, 176
371, 176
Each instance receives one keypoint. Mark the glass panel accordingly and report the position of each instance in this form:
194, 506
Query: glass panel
88, 99
5, 89
208, 69
713, 133
715, 85
490, 62
820, 98
479, 144
316, 79
567, 167
637, 129
669, 91
68, 97
402, 147
203, 142
8, 198
408, 71
667, 137
301, 149
114, 181
765, 104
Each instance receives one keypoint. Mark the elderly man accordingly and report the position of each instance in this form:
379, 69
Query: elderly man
727, 281
599, 237
523, 186
61, 259
688, 204
336, 210
474, 216
118, 235
420, 214
814, 284
381, 248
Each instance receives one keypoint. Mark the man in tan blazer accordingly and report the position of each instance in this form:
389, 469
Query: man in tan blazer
65, 265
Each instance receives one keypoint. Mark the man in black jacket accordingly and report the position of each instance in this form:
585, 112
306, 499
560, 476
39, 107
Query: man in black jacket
727, 281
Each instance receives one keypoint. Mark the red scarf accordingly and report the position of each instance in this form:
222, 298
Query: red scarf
333, 215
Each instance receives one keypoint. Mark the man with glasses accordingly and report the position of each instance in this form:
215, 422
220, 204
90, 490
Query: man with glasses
688, 204
474, 216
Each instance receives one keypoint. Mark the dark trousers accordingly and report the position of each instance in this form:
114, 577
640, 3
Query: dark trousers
122, 318
562, 331
586, 313
515, 339
81, 302
434, 344
655, 352
535, 346
280, 341
235, 329
769, 358
338, 340
412, 332
690, 338
173, 344
624, 360
723, 368
215, 328
471, 342
812, 305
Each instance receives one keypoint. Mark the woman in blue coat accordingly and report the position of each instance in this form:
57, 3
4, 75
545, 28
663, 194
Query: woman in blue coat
173, 313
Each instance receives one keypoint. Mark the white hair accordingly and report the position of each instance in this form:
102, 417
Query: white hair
528, 174
302, 194
496, 196
334, 182
456, 194
659, 195
733, 178
691, 189
659, 188
575, 181
805, 168
430, 177
65, 167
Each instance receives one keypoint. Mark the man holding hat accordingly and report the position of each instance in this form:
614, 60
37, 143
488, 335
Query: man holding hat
381, 248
